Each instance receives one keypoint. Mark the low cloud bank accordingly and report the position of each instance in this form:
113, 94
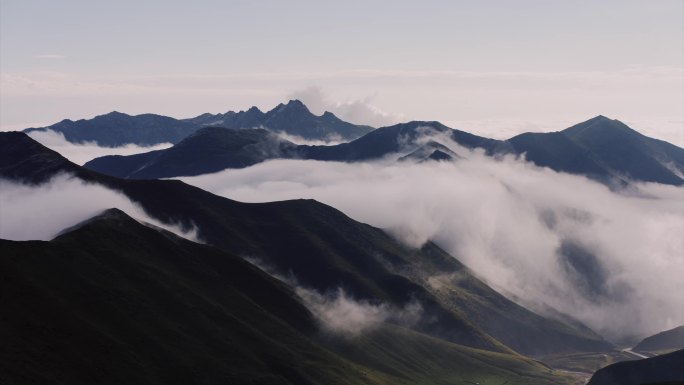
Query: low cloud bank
612, 260
81, 153
42, 212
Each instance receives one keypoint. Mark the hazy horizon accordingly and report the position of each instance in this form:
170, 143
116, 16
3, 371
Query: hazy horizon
495, 69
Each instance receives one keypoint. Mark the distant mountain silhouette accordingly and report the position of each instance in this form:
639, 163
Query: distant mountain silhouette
606, 150
628, 153
210, 149
397, 139
293, 118
214, 149
601, 149
116, 129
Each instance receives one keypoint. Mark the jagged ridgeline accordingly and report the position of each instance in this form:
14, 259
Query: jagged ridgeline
602, 149
117, 129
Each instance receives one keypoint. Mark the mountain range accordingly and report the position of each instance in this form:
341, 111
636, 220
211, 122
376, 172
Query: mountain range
117, 129
293, 118
324, 249
601, 149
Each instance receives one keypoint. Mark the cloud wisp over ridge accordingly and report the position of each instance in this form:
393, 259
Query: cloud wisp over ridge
357, 111
83, 152
42, 212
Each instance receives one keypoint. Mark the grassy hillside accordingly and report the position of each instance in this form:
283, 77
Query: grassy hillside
426, 360
113, 301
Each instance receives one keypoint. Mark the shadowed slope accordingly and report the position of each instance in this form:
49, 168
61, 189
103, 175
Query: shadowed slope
665, 369
114, 301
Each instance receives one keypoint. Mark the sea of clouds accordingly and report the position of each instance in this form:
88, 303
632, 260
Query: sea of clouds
512, 223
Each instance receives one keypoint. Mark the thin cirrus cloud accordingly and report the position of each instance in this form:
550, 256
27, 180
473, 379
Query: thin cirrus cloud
513, 224
49, 56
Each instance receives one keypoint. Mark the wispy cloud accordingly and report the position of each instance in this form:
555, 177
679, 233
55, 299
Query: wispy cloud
49, 56
341, 314
358, 111
41, 212
83, 152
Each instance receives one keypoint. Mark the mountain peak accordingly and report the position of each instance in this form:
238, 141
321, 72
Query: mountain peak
329, 115
112, 213
600, 118
295, 102
23, 158
599, 125
293, 105
113, 114
109, 215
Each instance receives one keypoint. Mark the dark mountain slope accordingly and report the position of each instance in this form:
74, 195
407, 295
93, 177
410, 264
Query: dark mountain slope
414, 355
208, 150
326, 250
605, 150
665, 369
669, 339
113, 301
293, 118
559, 153
117, 129
601, 149
629, 153
24, 159
396, 139
116, 300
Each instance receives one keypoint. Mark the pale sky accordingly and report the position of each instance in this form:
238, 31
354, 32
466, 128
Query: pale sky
491, 67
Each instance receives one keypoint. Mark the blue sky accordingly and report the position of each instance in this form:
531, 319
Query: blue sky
496, 67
